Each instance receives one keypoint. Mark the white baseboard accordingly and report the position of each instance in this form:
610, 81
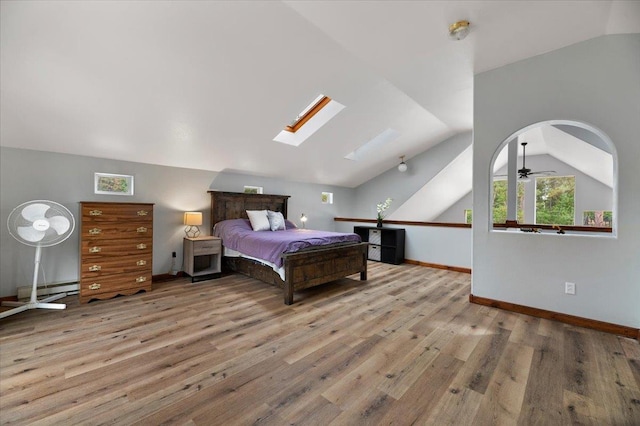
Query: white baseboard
51, 289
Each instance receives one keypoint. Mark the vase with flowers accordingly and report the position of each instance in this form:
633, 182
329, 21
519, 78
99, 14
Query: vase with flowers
382, 208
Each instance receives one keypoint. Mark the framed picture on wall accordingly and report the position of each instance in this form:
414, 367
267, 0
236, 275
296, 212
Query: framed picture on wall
252, 189
110, 184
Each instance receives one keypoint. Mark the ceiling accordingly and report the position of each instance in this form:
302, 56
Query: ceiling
208, 85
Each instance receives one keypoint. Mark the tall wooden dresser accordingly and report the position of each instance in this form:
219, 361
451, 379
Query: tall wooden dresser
116, 249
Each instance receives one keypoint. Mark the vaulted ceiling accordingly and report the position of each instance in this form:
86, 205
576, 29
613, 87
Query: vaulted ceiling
208, 85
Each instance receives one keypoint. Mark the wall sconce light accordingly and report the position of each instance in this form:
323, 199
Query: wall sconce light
402, 167
303, 219
192, 220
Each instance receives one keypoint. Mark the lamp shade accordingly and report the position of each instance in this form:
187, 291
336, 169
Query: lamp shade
193, 218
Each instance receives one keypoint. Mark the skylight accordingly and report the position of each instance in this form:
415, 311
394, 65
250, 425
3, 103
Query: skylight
311, 118
306, 114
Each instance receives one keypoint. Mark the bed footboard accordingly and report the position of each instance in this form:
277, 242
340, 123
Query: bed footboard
308, 268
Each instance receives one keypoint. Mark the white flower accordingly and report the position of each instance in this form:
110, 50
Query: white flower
382, 207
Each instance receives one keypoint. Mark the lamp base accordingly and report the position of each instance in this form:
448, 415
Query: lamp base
192, 231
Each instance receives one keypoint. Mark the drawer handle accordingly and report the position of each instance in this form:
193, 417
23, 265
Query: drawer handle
141, 246
95, 231
95, 250
95, 268
142, 229
95, 213
141, 279
94, 286
141, 262
142, 212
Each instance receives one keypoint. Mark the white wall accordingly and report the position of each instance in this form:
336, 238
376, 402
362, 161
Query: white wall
596, 82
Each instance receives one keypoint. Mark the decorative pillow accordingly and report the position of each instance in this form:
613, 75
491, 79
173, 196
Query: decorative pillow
289, 225
276, 221
259, 220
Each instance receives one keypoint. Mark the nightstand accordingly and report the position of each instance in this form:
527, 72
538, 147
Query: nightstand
201, 257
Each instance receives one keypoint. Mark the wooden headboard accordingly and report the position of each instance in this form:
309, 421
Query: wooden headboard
234, 205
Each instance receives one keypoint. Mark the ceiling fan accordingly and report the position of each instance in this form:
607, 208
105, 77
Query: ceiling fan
524, 172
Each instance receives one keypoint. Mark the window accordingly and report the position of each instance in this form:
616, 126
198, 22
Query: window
601, 218
500, 202
252, 189
327, 198
305, 115
310, 120
468, 216
555, 200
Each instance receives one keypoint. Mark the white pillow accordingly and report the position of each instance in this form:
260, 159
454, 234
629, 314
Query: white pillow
276, 221
259, 220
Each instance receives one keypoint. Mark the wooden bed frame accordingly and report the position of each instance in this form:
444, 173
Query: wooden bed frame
303, 269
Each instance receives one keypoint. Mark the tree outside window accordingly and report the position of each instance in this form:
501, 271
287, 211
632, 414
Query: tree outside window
602, 218
468, 216
500, 202
555, 200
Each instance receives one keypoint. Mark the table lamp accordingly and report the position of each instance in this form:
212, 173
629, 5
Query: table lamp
192, 220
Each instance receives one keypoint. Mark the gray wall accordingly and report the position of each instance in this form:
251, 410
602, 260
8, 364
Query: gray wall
305, 197
401, 186
68, 179
595, 82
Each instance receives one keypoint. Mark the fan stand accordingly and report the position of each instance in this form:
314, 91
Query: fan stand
34, 303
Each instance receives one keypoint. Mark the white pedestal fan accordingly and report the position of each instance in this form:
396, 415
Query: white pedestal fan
39, 223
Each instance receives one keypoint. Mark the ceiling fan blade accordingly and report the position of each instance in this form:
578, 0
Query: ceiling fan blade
60, 224
34, 212
542, 172
29, 233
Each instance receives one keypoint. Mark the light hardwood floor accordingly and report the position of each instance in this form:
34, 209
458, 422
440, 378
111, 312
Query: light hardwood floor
405, 347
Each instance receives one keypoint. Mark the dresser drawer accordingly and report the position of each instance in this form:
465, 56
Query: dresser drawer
113, 212
97, 248
206, 247
113, 231
100, 267
114, 283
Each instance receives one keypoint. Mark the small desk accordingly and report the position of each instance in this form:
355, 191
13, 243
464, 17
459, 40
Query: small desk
202, 257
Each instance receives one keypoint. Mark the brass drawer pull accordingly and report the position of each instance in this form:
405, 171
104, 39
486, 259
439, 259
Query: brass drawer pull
141, 279
142, 212
95, 268
94, 286
95, 231
141, 246
95, 250
142, 229
141, 262
95, 213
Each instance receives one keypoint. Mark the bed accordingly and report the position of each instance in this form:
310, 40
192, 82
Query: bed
302, 269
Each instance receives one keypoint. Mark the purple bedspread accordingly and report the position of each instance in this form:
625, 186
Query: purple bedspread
238, 235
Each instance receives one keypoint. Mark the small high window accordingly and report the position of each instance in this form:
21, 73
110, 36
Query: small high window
327, 198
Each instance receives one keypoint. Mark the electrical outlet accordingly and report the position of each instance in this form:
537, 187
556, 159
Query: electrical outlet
570, 288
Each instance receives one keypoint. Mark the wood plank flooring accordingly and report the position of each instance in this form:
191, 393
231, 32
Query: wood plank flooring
405, 347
